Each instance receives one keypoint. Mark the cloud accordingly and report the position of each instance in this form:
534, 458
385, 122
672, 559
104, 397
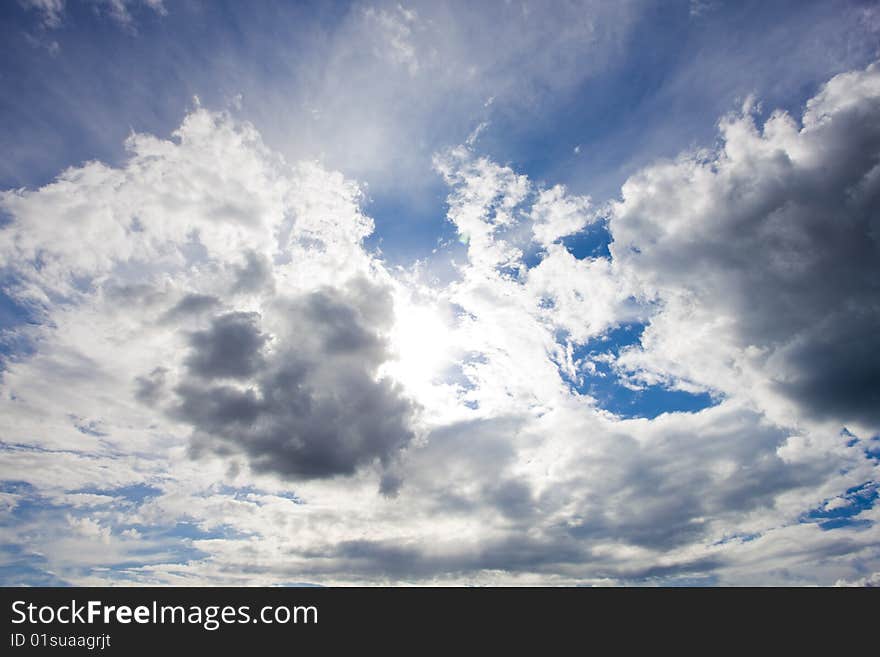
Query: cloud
212, 328
311, 406
193, 281
230, 348
148, 389
871, 580
394, 27
192, 304
255, 274
772, 240
52, 11
392, 82
557, 215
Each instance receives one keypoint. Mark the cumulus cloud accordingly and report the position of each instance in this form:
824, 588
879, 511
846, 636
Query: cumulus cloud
773, 241
149, 388
312, 406
290, 380
192, 304
230, 348
556, 215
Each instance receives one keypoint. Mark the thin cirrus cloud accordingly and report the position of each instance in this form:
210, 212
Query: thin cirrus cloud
52, 12
211, 376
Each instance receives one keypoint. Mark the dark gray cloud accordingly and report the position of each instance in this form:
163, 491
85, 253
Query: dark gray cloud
835, 369
670, 487
468, 451
191, 304
779, 233
254, 275
551, 554
662, 495
149, 389
310, 404
231, 347
513, 553
131, 293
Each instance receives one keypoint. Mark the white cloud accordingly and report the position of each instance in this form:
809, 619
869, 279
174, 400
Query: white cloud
509, 475
395, 29
556, 215
52, 11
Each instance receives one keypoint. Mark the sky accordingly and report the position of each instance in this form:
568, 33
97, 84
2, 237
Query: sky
439, 293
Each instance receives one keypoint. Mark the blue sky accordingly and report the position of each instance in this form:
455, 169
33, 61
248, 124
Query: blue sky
498, 292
